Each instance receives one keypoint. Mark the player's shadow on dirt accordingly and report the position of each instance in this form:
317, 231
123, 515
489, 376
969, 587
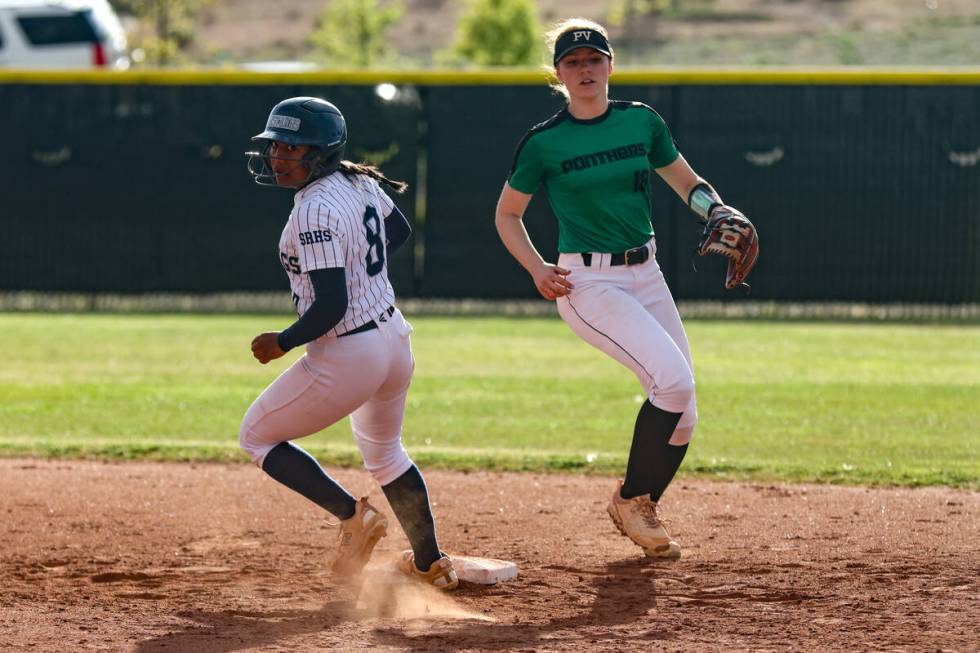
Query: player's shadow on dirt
235, 630
622, 593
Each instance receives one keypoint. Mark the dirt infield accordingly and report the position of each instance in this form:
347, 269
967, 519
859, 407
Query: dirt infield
180, 557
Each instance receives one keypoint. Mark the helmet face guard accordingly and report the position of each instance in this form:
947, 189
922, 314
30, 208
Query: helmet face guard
301, 121
259, 164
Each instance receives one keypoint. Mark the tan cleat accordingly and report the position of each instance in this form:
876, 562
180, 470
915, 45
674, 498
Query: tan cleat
441, 574
638, 520
358, 537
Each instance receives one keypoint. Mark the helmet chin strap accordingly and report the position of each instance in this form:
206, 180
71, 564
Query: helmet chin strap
299, 163
312, 162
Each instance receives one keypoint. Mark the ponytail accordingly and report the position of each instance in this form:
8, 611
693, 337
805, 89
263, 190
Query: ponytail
349, 169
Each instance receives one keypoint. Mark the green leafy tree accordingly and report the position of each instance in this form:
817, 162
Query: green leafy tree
354, 32
171, 22
500, 33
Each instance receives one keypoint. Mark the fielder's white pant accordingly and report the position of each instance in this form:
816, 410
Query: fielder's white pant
365, 375
628, 313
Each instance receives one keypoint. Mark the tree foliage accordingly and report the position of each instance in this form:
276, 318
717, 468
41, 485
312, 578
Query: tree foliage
500, 33
355, 32
172, 23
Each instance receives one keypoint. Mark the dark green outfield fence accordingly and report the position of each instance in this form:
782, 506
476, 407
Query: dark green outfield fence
864, 186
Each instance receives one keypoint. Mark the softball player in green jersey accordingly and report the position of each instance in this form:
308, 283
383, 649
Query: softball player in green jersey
593, 159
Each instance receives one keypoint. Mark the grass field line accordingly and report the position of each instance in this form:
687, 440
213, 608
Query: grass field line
191, 443
279, 303
340, 452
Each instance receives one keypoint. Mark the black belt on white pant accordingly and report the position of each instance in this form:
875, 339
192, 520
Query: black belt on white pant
633, 256
369, 325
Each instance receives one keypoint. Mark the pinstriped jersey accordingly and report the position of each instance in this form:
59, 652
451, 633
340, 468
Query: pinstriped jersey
338, 222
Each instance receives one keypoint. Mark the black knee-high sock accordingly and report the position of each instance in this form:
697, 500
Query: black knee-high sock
300, 471
409, 501
649, 462
667, 466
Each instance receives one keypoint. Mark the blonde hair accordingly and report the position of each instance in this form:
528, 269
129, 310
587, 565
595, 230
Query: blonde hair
560, 29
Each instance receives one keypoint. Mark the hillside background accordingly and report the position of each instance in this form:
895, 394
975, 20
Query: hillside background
696, 33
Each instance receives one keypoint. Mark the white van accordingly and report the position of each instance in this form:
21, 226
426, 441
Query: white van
61, 34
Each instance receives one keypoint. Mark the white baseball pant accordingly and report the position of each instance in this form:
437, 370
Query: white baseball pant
628, 313
365, 375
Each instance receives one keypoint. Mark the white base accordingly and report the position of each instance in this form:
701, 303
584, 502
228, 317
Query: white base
483, 571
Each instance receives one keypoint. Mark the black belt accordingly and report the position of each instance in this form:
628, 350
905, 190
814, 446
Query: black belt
369, 325
633, 256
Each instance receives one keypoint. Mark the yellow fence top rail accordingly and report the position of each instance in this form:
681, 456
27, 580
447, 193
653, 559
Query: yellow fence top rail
658, 76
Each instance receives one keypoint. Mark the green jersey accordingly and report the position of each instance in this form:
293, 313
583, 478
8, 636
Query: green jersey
596, 174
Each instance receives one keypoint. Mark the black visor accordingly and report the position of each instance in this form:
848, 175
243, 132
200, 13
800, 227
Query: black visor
580, 38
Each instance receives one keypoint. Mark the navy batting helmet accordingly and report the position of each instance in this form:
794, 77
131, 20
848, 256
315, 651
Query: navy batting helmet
301, 121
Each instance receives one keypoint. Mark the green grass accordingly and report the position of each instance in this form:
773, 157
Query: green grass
833, 402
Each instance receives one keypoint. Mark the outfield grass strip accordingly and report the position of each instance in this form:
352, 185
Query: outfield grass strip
471, 459
886, 404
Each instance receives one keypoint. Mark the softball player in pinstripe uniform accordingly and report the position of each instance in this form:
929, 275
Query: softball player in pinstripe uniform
593, 159
358, 361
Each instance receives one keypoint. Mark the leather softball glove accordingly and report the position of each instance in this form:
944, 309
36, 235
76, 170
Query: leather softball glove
732, 235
